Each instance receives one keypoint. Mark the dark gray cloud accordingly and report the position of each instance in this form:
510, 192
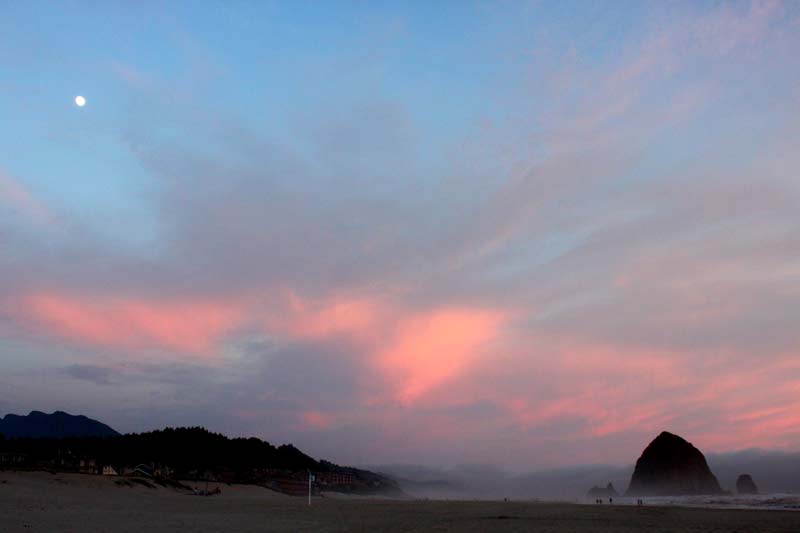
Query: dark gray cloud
94, 374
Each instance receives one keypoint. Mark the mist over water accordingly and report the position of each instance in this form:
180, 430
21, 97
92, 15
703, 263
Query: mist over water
773, 472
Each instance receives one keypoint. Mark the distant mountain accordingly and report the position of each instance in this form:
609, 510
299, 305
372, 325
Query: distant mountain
58, 425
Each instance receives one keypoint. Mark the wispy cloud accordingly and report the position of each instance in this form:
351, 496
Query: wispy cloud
17, 198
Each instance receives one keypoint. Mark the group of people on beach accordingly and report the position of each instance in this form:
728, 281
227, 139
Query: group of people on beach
599, 501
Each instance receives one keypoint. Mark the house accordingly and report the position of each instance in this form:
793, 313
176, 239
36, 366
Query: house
87, 466
163, 471
291, 485
142, 470
12, 458
337, 478
110, 471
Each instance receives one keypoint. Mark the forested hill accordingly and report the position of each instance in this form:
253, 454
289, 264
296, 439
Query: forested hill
190, 453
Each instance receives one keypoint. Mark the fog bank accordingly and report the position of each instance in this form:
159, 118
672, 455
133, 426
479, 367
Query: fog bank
773, 472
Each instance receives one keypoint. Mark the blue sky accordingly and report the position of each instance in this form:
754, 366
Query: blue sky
267, 65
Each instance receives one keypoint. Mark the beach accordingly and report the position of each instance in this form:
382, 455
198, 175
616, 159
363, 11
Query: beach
41, 501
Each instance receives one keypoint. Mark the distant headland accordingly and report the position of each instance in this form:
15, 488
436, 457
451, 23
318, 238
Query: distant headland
68, 443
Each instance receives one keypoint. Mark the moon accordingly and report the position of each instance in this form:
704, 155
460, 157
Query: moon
80, 101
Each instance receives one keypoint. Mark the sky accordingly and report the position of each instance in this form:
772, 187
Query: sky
520, 234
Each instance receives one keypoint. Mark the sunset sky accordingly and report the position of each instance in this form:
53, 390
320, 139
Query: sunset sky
526, 234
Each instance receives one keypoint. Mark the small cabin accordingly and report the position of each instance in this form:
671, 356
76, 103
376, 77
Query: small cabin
142, 471
87, 466
12, 458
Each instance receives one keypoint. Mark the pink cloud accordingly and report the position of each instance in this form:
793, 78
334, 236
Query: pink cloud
610, 394
296, 317
449, 356
428, 348
713, 397
315, 420
179, 325
413, 350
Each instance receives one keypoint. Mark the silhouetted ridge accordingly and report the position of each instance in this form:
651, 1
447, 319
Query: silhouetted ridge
54, 426
193, 453
672, 466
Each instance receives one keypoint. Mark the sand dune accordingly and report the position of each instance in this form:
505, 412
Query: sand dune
39, 501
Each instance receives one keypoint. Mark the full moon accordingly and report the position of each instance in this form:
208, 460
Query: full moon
80, 101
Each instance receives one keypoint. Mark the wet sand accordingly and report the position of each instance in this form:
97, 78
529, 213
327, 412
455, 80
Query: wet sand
39, 501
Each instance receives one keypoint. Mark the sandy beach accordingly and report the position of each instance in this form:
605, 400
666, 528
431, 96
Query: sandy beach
41, 501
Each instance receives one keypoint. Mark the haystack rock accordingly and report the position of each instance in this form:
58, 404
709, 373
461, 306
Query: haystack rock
746, 485
672, 466
599, 492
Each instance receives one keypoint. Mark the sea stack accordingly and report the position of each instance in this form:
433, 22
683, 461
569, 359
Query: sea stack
672, 466
746, 485
599, 492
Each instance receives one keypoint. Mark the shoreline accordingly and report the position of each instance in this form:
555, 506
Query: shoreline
41, 501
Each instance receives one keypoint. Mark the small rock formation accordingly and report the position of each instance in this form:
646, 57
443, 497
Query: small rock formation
746, 485
672, 466
599, 492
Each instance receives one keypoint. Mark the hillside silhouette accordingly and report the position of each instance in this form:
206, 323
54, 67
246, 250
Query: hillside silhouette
56, 425
192, 453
